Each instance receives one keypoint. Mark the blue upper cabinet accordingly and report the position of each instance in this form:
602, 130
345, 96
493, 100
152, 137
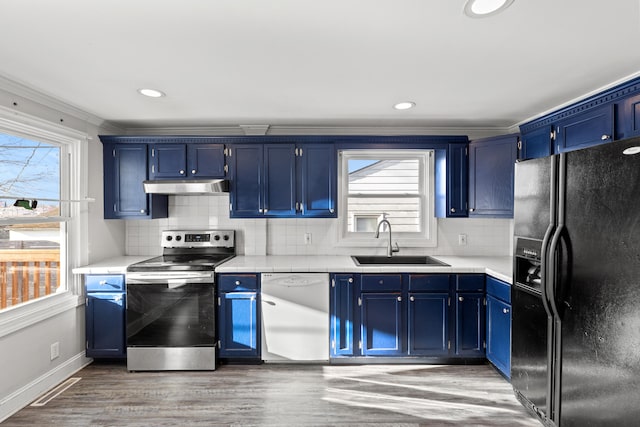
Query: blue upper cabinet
279, 186
246, 166
610, 115
592, 127
491, 173
186, 160
318, 180
536, 143
282, 180
457, 180
125, 168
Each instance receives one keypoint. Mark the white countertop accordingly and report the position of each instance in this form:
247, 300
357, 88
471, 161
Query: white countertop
498, 267
116, 265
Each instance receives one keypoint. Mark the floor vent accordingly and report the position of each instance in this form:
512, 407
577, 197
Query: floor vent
55, 392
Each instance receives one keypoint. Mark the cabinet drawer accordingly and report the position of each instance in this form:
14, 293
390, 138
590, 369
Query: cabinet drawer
238, 282
470, 282
429, 282
381, 282
104, 282
499, 289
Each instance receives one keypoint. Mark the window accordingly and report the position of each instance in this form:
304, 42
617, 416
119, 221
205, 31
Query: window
396, 185
32, 231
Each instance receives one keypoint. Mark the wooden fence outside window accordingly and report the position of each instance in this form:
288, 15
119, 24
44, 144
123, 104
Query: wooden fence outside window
27, 274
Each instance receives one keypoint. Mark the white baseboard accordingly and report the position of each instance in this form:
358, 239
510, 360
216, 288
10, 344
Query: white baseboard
30, 392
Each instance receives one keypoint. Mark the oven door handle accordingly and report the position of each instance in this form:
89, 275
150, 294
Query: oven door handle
176, 284
172, 280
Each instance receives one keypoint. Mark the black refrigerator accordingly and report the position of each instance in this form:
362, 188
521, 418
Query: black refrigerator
576, 289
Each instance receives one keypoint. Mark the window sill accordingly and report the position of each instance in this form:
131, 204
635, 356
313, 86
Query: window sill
381, 242
25, 315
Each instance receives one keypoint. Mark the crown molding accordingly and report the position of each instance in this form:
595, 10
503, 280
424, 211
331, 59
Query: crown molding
23, 91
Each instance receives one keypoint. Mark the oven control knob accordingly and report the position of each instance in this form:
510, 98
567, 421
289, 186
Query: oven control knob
216, 237
226, 237
169, 238
178, 238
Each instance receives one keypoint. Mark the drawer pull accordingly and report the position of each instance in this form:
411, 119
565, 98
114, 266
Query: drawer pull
237, 282
505, 310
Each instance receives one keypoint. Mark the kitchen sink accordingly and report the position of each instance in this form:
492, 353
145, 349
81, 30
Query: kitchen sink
397, 260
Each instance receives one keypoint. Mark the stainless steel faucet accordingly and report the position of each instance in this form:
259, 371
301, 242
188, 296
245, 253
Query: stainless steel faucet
390, 249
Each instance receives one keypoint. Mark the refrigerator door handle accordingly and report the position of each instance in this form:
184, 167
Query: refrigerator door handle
554, 257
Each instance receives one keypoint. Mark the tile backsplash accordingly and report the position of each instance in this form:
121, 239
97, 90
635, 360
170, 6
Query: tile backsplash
286, 236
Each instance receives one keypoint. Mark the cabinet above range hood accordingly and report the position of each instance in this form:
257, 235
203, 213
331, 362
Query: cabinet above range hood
186, 186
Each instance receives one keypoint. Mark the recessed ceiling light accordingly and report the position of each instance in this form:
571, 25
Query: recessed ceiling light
484, 8
152, 93
404, 105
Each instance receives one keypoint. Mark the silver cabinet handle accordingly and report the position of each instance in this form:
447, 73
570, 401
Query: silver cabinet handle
118, 298
237, 282
193, 171
350, 280
141, 210
260, 210
460, 299
399, 298
381, 282
453, 210
505, 310
412, 298
181, 172
472, 209
102, 282
331, 210
605, 137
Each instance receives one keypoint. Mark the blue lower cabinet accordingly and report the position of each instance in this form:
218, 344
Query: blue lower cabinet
382, 324
470, 324
342, 309
105, 316
428, 324
499, 325
238, 325
499, 334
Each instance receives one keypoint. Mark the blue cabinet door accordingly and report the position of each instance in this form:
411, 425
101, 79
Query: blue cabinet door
238, 324
383, 330
592, 127
105, 325
317, 180
535, 144
205, 160
491, 174
280, 180
457, 180
342, 305
470, 324
168, 161
246, 172
428, 324
125, 168
499, 334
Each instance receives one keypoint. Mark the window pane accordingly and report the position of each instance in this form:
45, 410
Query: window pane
384, 176
28, 170
402, 212
29, 262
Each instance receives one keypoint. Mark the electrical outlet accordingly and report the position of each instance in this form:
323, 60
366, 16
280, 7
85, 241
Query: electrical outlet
462, 239
307, 238
55, 350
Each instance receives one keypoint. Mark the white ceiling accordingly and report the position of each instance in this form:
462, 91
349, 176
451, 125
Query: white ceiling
317, 63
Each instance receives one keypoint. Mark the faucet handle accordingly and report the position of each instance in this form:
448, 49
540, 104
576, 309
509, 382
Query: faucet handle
396, 249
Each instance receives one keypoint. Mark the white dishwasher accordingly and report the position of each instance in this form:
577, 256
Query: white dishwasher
295, 317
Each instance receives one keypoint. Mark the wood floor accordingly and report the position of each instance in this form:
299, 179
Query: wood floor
284, 395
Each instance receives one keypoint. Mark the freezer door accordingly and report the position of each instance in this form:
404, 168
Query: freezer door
532, 197
598, 291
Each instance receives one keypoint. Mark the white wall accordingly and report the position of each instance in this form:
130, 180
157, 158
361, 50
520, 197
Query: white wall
25, 366
284, 236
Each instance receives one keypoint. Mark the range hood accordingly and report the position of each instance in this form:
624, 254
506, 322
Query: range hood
186, 186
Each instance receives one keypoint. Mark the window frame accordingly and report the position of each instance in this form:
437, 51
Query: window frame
73, 219
427, 237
